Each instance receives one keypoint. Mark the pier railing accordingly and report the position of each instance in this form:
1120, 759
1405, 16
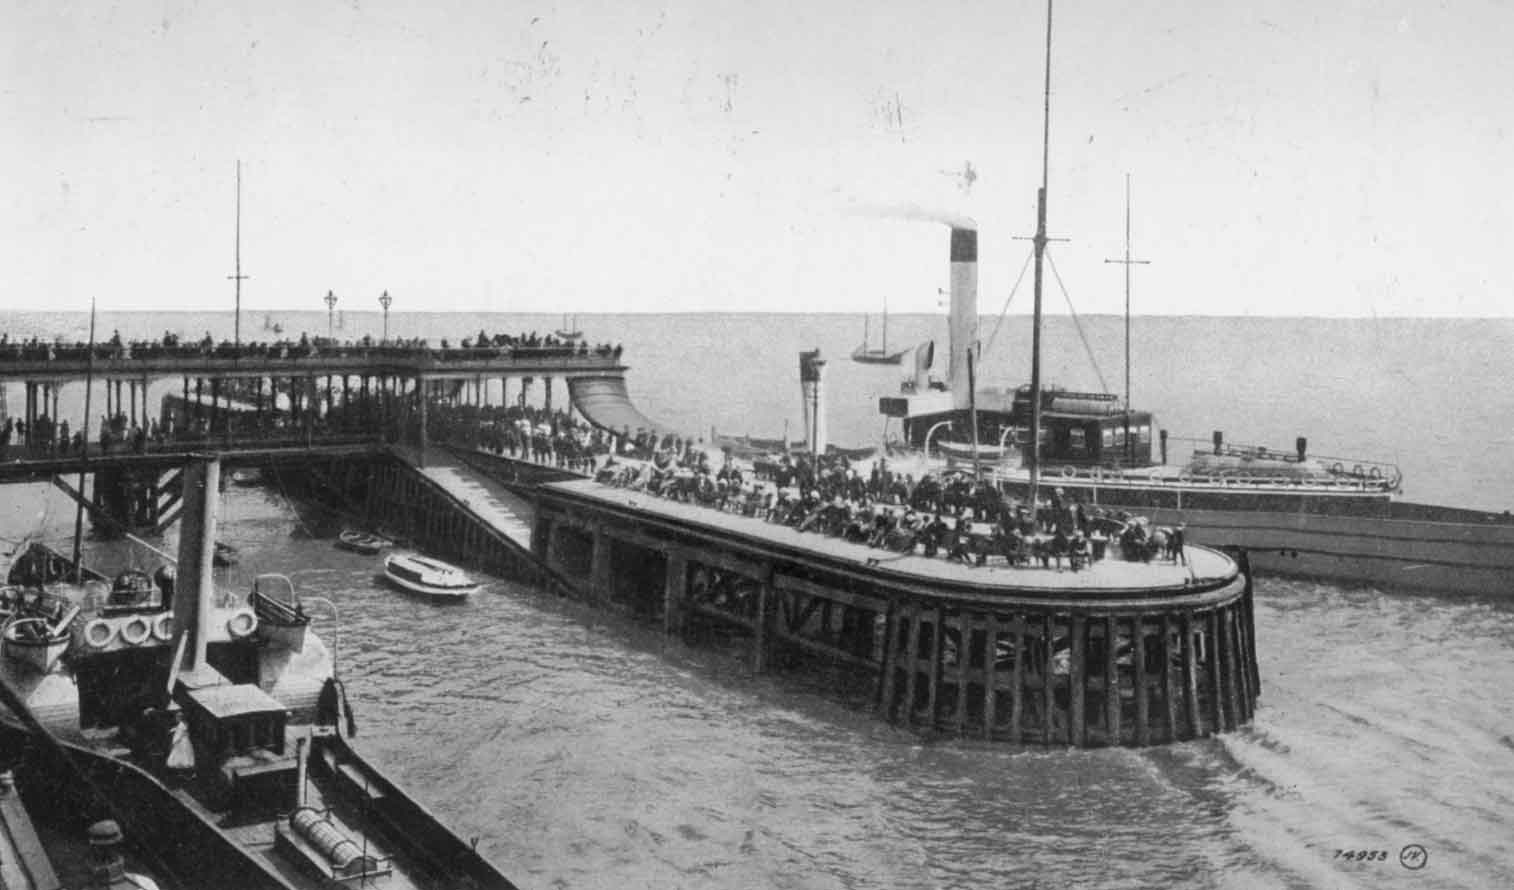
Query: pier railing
292, 361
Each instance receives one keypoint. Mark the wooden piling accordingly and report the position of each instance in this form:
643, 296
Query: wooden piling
911, 661
1212, 668
1233, 706
887, 681
1138, 663
760, 625
1018, 624
991, 674
937, 653
674, 591
1078, 681
964, 650
1111, 681
1047, 679
1190, 678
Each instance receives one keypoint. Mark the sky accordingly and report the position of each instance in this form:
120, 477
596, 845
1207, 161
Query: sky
1291, 158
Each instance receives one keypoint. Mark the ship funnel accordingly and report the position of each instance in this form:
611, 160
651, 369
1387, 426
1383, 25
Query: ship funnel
194, 580
962, 324
812, 388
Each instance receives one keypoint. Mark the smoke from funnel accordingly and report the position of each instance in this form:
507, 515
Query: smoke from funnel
916, 213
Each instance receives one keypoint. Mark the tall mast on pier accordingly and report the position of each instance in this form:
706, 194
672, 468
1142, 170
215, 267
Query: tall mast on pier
1040, 244
238, 277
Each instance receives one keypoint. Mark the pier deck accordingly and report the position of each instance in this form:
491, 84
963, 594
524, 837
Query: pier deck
1110, 576
504, 510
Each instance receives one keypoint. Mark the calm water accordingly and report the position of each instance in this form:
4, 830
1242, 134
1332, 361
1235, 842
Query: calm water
588, 752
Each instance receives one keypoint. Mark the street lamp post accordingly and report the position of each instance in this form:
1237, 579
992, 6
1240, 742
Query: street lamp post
330, 314
385, 300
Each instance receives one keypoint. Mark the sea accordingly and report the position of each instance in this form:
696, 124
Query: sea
583, 750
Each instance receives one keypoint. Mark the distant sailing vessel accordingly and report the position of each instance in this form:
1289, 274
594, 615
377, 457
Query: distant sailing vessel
567, 332
866, 355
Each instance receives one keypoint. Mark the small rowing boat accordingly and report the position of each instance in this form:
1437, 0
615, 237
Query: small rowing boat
366, 543
432, 577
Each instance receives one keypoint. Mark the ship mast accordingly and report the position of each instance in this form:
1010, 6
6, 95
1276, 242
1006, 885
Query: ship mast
1127, 262
1040, 240
239, 277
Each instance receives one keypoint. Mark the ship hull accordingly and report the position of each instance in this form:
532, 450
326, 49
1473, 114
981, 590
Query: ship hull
1337, 537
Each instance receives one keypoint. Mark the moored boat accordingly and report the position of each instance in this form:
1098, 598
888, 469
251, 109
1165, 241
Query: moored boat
432, 577
226, 752
247, 477
366, 543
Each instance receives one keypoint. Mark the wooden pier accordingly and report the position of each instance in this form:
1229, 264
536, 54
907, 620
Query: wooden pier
1117, 654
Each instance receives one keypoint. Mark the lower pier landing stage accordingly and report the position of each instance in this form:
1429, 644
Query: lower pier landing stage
1118, 653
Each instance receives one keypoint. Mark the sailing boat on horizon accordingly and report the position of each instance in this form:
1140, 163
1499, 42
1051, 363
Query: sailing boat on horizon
866, 355
566, 332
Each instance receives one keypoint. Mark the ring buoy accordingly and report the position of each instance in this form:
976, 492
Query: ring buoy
1375, 473
136, 631
1337, 468
1068, 471
241, 623
99, 633
162, 627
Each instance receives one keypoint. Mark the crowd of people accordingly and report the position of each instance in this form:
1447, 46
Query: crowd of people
523, 432
951, 516
171, 345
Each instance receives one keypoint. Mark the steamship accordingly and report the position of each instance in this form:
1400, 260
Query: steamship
1296, 513
210, 731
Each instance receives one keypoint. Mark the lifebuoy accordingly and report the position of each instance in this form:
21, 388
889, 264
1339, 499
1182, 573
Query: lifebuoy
136, 631
1375, 473
162, 627
99, 633
1068, 471
1356, 470
1337, 468
241, 623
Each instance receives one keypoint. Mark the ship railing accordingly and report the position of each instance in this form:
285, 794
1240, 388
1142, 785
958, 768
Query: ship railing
1099, 475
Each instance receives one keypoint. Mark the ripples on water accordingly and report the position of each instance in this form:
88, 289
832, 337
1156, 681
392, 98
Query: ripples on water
586, 751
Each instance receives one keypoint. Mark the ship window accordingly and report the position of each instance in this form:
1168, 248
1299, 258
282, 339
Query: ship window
1144, 432
1076, 439
1119, 436
1108, 437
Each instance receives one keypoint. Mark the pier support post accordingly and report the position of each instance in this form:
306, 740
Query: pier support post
991, 674
890, 659
673, 592
1138, 666
600, 582
1079, 680
760, 631
1111, 680
420, 387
